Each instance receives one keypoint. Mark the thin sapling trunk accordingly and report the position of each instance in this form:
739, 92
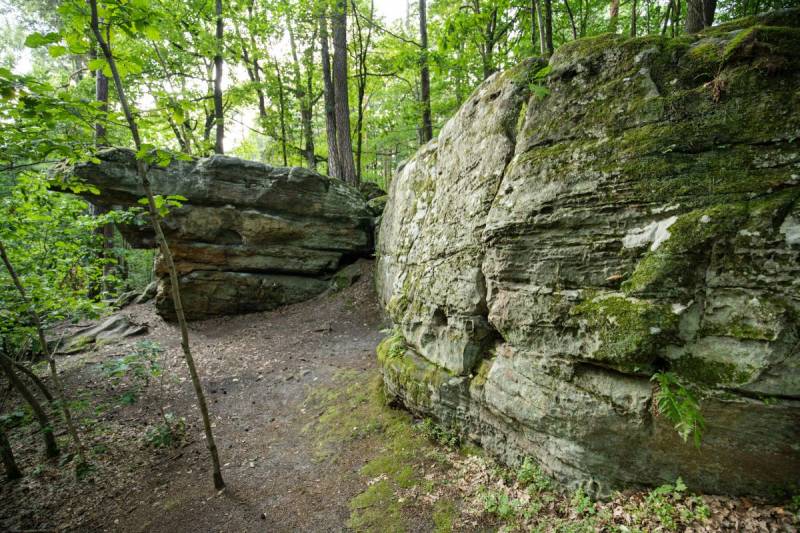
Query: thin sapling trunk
141, 168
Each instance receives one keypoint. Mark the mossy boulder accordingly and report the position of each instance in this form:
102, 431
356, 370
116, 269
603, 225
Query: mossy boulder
629, 208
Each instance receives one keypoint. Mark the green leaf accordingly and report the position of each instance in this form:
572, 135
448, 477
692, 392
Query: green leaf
57, 50
37, 40
96, 64
151, 32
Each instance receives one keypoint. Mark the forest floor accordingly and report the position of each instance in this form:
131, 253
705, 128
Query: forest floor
307, 440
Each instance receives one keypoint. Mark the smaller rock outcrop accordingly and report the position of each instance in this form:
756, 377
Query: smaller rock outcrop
111, 329
249, 237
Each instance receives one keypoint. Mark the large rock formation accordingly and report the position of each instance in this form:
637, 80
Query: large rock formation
250, 237
629, 208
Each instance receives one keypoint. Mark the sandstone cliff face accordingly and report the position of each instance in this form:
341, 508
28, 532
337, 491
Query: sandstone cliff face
251, 237
629, 208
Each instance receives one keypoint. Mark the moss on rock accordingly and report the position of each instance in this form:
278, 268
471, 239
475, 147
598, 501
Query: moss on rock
630, 331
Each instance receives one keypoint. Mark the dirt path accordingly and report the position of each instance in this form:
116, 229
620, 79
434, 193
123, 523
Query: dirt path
258, 370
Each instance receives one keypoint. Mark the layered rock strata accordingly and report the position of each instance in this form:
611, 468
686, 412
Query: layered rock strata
249, 237
628, 209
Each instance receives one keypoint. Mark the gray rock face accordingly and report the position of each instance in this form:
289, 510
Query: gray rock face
636, 213
250, 237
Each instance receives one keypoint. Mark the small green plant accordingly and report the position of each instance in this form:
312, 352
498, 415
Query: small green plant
537, 87
500, 504
439, 434
679, 405
671, 507
168, 433
581, 503
660, 503
794, 504
139, 366
530, 475
397, 346
17, 417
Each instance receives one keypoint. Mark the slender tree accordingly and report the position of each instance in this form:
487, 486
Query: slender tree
142, 171
572, 19
425, 75
51, 448
542, 29
340, 73
12, 470
51, 360
219, 116
363, 44
334, 165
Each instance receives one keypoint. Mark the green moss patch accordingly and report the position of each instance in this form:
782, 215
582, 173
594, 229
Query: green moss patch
710, 373
400, 457
678, 264
630, 331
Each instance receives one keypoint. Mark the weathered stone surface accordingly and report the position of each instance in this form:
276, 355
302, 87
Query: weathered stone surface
250, 237
112, 329
348, 276
547, 254
148, 293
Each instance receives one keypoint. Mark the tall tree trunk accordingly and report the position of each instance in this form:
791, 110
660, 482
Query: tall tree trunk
142, 171
307, 118
699, 14
282, 113
634, 16
572, 19
101, 95
533, 24
330, 102
303, 90
100, 140
542, 30
425, 75
12, 470
613, 16
219, 116
667, 15
548, 26
51, 448
343, 141
361, 76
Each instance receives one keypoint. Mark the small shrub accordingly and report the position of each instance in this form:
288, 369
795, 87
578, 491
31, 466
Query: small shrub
500, 504
170, 432
139, 366
581, 503
440, 435
530, 475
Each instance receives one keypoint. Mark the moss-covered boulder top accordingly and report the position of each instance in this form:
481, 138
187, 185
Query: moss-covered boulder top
630, 207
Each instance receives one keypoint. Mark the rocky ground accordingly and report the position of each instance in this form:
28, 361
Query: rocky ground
307, 440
